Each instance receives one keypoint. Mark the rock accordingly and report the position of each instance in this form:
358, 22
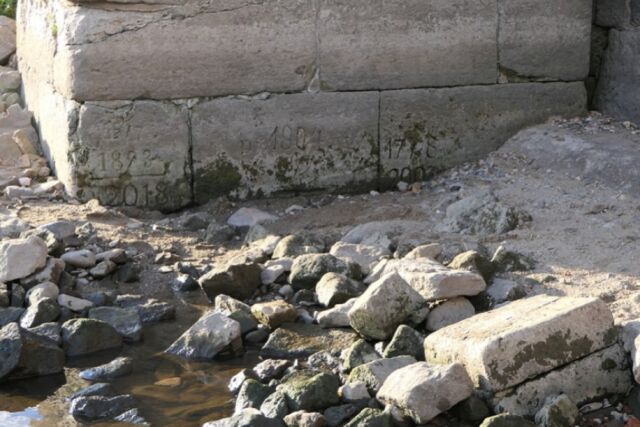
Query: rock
258, 336
237, 280
405, 342
274, 313
472, 409
275, 269
370, 417
600, 374
61, 230
366, 256
482, 214
247, 418
337, 415
132, 416
82, 258
8, 38
305, 419
118, 367
269, 369
11, 227
21, 257
51, 272
5, 297
386, 233
103, 269
42, 311
359, 353
558, 411
73, 303
307, 270
501, 348
422, 391
150, 310
502, 290
275, 406
10, 81
99, 407
116, 255
295, 245
17, 295
211, 334
247, 217
126, 321
227, 305
375, 373
251, 395
218, 233
430, 251
238, 379
475, 262
336, 317
354, 392
507, 420
301, 340
24, 354
9, 315
386, 304
128, 273
310, 391
335, 289
97, 389
85, 336
449, 312
304, 297
246, 320
505, 260
41, 291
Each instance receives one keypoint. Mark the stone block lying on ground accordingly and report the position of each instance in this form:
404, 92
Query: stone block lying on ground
526, 338
599, 374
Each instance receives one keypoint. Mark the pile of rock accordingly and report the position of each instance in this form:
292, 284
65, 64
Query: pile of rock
58, 299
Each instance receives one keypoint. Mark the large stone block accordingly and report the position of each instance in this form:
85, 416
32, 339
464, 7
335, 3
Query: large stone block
507, 346
612, 13
285, 143
544, 40
618, 91
393, 44
597, 375
133, 154
425, 131
193, 49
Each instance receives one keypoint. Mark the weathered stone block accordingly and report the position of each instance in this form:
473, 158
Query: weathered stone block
599, 374
526, 338
425, 131
133, 154
382, 44
612, 13
285, 143
547, 40
186, 50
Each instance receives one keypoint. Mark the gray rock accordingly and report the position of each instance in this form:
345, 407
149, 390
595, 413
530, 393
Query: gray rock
100, 407
85, 336
310, 391
366, 256
270, 369
338, 415
42, 311
10, 314
97, 389
184, 283
24, 354
50, 331
295, 245
247, 418
211, 334
237, 280
51, 272
227, 305
10, 348
354, 392
304, 419
11, 227
301, 340
449, 312
82, 258
103, 269
275, 406
386, 304
336, 317
251, 395
117, 255
126, 321
41, 291
375, 373
21, 257
324, 361
247, 322
247, 217
359, 353
5, 296
150, 310
505, 260
473, 261
307, 270
78, 305
406, 341
506, 420
219, 233
558, 411
472, 409
335, 289
118, 367
370, 417
132, 416
502, 290
238, 379
128, 273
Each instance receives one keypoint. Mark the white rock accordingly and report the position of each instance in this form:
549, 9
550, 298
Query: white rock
431, 251
246, 217
423, 391
74, 303
11, 227
367, 256
336, 317
505, 290
354, 392
21, 257
449, 312
82, 258
41, 291
274, 269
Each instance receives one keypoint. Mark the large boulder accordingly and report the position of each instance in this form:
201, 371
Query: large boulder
423, 391
85, 336
21, 257
236, 280
384, 306
523, 339
307, 270
211, 334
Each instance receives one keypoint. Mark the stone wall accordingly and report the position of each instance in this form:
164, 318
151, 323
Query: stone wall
158, 103
617, 60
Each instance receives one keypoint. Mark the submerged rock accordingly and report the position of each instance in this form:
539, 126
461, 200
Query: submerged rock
118, 367
100, 407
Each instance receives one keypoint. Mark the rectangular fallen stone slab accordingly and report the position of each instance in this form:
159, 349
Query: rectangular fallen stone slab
425, 131
285, 143
395, 44
133, 154
293, 340
215, 48
509, 345
544, 40
597, 375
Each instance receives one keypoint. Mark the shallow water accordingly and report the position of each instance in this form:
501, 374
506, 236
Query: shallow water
169, 391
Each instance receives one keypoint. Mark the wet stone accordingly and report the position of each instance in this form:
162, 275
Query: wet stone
100, 407
97, 389
150, 310
125, 321
211, 334
118, 367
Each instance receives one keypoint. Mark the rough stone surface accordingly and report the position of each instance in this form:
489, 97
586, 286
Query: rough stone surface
8, 38
336, 317
423, 391
21, 257
310, 391
406, 341
333, 289
237, 281
449, 312
366, 256
85, 336
506, 420
98, 407
307, 270
375, 373
212, 333
250, 417
118, 367
126, 321
526, 338
301, 340
42, 311
274, 313
557, 411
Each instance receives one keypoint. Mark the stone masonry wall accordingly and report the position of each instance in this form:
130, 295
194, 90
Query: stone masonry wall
158, 103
